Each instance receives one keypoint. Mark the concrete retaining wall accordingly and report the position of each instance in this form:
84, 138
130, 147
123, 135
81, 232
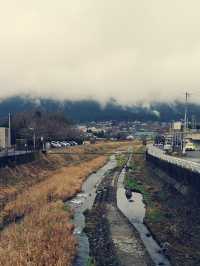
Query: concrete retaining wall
185, 172
18, 159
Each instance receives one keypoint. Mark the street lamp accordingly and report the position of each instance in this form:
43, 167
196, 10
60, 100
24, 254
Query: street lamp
42, 140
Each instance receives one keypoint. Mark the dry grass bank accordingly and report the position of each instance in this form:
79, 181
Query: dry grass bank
44, 236
14, 181
62, 185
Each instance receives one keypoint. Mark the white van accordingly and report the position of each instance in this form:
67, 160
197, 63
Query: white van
190, 147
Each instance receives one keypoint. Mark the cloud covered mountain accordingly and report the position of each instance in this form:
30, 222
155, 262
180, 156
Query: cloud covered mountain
91, 110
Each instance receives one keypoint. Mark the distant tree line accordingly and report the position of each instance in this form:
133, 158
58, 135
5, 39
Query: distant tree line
41, 126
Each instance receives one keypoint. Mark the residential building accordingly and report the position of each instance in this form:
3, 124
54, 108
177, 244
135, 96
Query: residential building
4, 137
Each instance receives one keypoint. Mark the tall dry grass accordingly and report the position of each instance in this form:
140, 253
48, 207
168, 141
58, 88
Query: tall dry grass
44, 238
62, 185
14, 181
45, 235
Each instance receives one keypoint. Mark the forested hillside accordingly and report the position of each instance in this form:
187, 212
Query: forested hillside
91, 110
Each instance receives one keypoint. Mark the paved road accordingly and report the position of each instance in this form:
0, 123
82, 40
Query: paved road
193, 156
190, 161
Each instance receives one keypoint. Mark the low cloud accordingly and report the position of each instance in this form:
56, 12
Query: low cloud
134, 51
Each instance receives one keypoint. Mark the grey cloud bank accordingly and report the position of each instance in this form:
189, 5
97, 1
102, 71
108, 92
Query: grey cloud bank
131, 50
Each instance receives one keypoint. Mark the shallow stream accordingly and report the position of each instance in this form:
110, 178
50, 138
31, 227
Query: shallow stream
134, 210
82, 202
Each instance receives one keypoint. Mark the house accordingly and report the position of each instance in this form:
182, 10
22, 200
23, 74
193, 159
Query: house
4, 138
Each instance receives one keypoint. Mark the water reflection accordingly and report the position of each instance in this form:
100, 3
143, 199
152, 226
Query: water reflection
134, 210
82, 202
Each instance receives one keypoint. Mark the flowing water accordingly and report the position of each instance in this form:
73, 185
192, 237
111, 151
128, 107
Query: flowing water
134, 210
82, 202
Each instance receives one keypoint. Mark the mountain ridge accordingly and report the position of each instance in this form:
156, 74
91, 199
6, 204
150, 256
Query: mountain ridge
92, 110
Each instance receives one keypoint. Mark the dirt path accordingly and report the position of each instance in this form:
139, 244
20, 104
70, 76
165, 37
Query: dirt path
113, 241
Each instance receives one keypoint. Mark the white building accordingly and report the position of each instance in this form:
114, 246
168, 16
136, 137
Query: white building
177, 126
4, 137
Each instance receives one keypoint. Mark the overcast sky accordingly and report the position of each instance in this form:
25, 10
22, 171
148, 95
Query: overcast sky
131, 50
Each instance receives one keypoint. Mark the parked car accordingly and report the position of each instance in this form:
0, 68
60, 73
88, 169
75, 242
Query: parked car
190, 147
55, 144
59, 144
167, 147
73, 143
65, 144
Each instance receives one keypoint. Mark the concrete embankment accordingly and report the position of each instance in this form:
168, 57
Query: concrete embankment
185, 174
173, 214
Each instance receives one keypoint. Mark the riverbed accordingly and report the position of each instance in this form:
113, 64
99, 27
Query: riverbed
82, 202
134, 210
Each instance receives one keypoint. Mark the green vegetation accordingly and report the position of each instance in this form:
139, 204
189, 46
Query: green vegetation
135, 168
133, 184
155, 215
91, 262
67, 208
121, 160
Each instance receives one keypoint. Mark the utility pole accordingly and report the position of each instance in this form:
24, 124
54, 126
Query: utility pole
9, 130
186, 112
185, 120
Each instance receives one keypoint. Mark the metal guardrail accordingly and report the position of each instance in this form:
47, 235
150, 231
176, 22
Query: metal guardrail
158, 153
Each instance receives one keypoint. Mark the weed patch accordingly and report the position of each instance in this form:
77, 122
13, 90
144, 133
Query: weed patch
121, 160
155, 215
91, 262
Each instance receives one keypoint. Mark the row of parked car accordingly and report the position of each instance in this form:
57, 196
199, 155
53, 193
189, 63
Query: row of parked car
189, 146
60, 144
